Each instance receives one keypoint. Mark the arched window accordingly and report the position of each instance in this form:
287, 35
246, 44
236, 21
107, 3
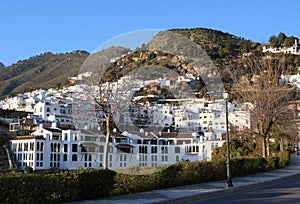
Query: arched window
164, 150
74, 157
42, 146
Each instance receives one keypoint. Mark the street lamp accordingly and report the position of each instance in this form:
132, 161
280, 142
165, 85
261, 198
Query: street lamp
229, 181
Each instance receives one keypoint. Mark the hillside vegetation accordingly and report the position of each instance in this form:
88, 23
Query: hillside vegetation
52, 70
43, 71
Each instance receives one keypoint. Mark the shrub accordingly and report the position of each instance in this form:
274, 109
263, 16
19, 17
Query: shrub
28, 170
82, 184
284, 158
53, 188
246, 166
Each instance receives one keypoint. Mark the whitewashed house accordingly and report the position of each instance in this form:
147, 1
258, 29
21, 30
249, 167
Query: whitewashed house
287, 50
49, 148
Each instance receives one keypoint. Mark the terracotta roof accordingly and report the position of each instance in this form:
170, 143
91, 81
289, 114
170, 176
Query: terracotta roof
185, 135
167, 135
29, 137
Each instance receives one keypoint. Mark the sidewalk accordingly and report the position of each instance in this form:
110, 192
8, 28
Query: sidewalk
187, 193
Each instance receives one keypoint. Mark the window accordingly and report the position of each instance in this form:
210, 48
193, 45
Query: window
74, 147
143, 149
65, 157
153, 149
20, 146
164, 150
74, 157
110, 149
25, 146
65, 147
15, 147
177, 149
154, 158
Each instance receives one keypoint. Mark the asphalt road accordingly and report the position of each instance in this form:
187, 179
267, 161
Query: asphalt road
285, 191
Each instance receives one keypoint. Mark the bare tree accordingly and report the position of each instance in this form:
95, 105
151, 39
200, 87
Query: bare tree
271, 98
97, 95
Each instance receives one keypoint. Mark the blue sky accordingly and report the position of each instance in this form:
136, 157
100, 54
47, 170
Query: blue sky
33, 27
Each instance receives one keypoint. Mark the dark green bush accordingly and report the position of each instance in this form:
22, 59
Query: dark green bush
28, 170
53, 188
246, 166
93, 184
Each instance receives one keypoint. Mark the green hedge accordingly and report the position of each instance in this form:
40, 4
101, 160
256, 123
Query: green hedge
92, 184
54, 188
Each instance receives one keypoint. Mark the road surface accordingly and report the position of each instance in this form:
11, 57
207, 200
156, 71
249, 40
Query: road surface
284, 191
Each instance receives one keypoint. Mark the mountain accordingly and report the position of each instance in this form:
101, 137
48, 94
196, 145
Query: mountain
1, 65
50, 70
43, 71
224, 49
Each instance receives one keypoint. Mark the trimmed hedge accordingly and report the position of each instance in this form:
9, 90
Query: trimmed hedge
54, 188
92, 184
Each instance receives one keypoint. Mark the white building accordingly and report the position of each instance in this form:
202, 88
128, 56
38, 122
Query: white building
291, 79
240, 119
288, 50
50, 148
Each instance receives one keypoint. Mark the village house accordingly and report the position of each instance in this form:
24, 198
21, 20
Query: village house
287, 50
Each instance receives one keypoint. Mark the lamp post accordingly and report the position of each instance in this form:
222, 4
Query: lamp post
229, 181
